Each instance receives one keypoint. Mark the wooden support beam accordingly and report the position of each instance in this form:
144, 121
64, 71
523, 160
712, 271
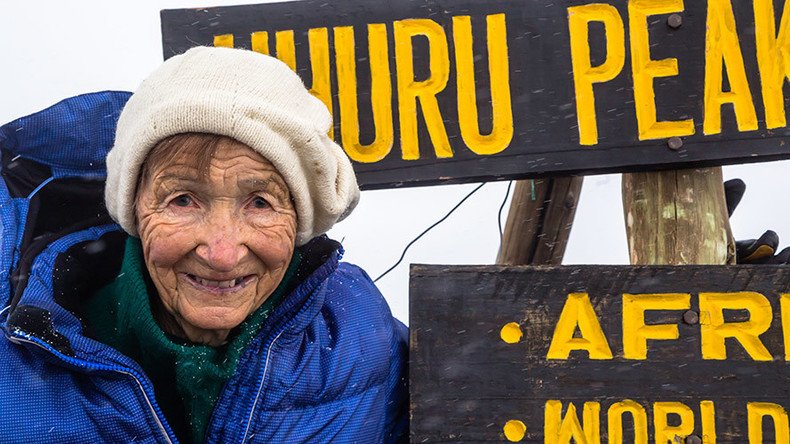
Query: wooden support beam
677, 218
539, 221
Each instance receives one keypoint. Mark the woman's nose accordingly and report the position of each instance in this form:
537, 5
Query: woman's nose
222, 247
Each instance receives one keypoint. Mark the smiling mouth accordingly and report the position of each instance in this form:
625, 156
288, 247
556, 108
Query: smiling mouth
227, 285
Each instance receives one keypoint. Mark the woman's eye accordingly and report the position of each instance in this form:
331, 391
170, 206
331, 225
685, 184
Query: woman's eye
259, 202
183, 200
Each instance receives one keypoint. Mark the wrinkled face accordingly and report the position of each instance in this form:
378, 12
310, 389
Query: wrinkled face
216, 243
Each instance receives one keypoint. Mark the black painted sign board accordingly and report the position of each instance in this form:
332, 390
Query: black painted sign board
431, 91
600, 354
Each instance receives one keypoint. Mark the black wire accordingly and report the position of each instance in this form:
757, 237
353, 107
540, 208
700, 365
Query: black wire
502, 207
403, 255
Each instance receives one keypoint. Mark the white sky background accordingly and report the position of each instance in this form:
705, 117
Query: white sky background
55, 49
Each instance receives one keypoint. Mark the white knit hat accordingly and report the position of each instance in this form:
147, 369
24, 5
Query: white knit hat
253, 98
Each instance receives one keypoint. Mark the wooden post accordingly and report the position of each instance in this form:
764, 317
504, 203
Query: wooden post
539, 221
677, 218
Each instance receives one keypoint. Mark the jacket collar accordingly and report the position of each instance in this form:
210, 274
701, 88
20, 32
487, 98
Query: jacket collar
320, 258
49, 313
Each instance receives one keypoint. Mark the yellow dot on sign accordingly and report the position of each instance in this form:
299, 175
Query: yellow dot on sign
511, 333
515, 430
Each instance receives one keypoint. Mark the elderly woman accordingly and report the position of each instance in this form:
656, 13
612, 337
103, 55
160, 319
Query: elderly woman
224, 315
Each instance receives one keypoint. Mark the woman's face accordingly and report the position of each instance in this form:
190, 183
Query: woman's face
218, 242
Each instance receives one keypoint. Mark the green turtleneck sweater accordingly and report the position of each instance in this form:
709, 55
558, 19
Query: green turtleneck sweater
187, 377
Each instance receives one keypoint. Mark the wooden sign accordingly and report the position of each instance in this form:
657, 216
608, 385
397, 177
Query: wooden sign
429, 91
600, 354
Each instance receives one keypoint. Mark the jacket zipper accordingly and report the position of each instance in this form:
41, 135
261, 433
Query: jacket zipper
146, 390
268, 349
260, 385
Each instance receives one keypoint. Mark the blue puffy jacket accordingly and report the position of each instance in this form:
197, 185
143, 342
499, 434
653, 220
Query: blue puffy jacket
329, 364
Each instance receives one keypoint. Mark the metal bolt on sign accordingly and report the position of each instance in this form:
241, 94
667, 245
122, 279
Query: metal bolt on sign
675, 143
691, 317
674, 21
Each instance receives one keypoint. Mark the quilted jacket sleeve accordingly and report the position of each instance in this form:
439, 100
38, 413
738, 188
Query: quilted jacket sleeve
397, 428
396, 423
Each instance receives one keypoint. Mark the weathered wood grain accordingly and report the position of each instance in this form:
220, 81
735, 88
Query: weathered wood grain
539, 221
677, 218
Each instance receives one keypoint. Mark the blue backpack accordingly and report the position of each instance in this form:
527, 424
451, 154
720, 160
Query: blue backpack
52, 199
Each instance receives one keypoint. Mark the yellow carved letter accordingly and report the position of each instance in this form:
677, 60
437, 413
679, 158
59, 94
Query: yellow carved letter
666, 433
224, 40
318, 40
380, 93
723, 52
260, 42
578, 313
708, 414
646, 70
756, 411
615, 420
773, 59
584, 74
285, 47
499, 76
714, 330
321, 88
784, 306
636, 332
559, 430
411, 91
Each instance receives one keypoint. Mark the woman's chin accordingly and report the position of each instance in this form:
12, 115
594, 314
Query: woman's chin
208, 319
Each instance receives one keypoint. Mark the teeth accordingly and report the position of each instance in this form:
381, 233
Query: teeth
218, 284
